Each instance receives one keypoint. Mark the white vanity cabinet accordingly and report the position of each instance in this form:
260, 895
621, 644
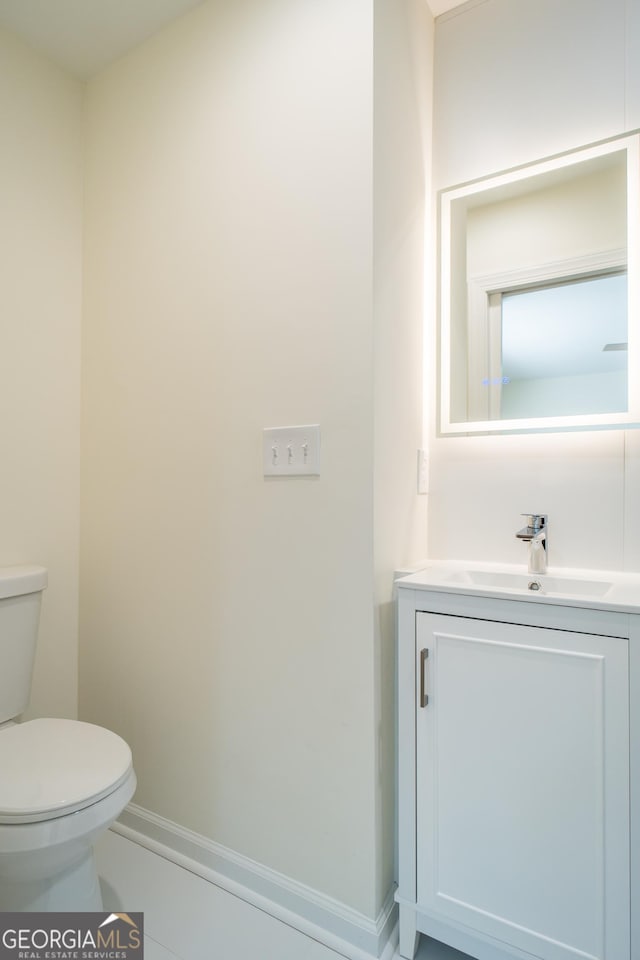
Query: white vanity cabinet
514, 776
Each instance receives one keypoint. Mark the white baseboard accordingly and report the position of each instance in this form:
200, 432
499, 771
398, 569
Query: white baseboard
329, 921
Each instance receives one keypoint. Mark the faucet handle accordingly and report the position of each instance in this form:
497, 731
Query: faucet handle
535, 520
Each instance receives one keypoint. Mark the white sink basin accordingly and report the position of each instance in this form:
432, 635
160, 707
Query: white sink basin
532, 583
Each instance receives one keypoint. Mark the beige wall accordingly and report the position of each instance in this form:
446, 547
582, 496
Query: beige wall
566, 77
230, 627
237, 632
586, 216
40, 293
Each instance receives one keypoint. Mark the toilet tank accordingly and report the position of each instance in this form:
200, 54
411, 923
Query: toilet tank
20, 592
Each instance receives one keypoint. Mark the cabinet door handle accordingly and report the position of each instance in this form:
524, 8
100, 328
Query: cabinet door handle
424, 656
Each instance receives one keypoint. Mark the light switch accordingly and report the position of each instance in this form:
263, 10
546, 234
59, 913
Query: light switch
291, 451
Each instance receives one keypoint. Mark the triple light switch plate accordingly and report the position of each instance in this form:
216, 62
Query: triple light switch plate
291, 451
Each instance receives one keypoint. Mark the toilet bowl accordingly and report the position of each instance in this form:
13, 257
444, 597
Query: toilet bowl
62, 782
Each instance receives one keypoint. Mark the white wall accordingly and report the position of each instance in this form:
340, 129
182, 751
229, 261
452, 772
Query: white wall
232, 629
402, 152
519, 81
566, 75
40, 295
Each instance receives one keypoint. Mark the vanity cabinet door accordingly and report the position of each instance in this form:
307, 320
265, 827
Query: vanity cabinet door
523, 785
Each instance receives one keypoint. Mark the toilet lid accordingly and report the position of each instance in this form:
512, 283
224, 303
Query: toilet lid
49, 768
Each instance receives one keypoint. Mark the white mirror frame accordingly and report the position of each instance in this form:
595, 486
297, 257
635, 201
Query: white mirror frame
630, 418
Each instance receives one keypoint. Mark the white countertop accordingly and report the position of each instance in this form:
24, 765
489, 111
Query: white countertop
594, 589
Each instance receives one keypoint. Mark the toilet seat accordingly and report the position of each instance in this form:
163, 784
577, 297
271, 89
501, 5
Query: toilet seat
51, 767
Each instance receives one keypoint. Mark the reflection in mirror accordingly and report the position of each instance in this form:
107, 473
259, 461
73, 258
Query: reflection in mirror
536, 294
564, 349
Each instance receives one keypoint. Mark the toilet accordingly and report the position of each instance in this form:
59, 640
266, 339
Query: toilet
62, 782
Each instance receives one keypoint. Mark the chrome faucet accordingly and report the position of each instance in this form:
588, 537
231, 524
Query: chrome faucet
535, 534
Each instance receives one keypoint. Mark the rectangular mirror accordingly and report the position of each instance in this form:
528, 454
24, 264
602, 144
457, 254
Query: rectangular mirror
539, 295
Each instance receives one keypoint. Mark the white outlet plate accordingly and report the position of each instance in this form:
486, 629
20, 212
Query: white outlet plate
291, 451
423, 472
